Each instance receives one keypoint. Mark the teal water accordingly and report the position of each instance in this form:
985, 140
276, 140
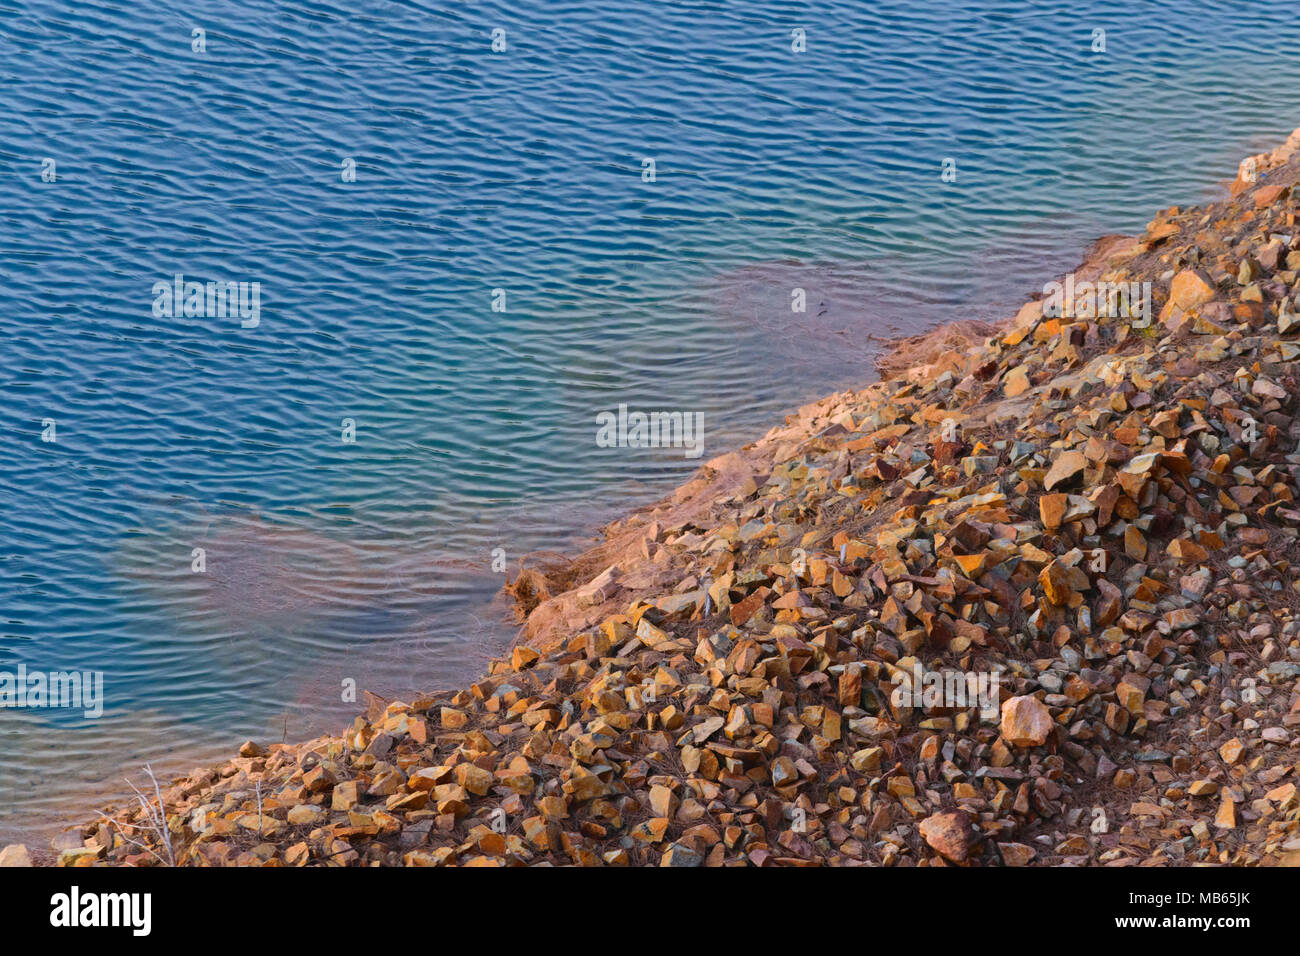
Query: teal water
522, 171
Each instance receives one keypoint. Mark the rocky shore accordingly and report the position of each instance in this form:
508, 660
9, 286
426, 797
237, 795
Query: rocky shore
1091, 513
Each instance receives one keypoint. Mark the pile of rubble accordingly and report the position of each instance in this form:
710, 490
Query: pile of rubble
1092, 516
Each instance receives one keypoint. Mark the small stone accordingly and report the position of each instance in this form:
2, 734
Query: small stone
319, 779
784, 773
651, 831
523, 657
1055, 581
1135, 543
15, 855
1266, 389
1015, 382
680, 855
345, 795
304, 814
1232, 750
1190, 289
1226, 818
663, 801
850, 685
1131, 692
1051, 510
1066, 466
866, 760
1016, 854
1026, 722
1268, 195
949, 834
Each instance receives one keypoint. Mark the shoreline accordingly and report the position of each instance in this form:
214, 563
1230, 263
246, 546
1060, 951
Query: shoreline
621, 543
635, 611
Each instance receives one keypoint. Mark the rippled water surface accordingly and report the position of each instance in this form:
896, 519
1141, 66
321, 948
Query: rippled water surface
476, 171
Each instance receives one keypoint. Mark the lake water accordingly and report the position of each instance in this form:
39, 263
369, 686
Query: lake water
128, 157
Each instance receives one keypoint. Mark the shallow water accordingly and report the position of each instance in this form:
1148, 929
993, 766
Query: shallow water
522, 171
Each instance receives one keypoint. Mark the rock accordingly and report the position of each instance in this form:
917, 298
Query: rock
1016, 854
452, 719
304, 814
1025, 722
345, 796
784, 773
1135, 543
1226, 818
948, 834
1055, 581
663, 801
1131, 693
679, 855
15, 855
1016, 382
1266, 389
651, 831
1189, 289
1268, 195
1066, 466
850, 685
1232, 751
319, 779
80, 856
67, 840
522, 657
1051, 510
867, 760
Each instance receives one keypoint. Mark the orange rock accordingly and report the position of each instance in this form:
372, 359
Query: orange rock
1267, 195
651, 831
1016, 854
1190, 288
1067, 465
1055, 581
1026, 721
523, 657
1186, 550
1051, 509
1226, 818
1135, 543
1231, 751
949, 834
1016, 382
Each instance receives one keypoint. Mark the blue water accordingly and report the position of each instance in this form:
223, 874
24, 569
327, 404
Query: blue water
519, 170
